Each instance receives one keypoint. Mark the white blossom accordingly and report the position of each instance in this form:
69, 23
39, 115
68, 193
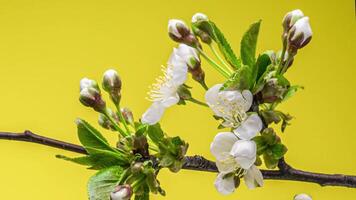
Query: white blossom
164, 93
232, 153
301, 28
232, 106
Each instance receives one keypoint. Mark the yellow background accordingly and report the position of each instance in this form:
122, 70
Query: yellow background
46, 47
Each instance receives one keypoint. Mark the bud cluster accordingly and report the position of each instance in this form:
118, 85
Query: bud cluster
297, 31
90, 95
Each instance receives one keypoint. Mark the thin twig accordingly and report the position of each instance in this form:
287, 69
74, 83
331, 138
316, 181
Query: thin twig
199, 163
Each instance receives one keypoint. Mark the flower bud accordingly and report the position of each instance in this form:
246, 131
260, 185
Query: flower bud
105, 122
137, 167
112, 84
302, 197
197, 20
91, 97
290, 19
121, 192
180, 32
299, 35
127, 114
88, 83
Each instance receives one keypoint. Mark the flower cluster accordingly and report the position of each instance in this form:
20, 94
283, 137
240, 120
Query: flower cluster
245, 105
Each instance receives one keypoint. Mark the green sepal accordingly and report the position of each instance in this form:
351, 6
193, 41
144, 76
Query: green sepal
278, 151
269, 161
155, 132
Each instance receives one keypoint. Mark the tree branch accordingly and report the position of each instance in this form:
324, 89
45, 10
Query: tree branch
199, 163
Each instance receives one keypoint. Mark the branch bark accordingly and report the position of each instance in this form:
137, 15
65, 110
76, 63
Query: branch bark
199, 163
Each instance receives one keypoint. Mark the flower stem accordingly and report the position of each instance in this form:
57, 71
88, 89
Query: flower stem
220, 59
197, 102
116, 126
220, 69
121, 117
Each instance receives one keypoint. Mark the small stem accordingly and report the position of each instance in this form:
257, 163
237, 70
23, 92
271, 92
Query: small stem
220, 69
197, 102
203, 84
220, 59
116, 126
121, 117
282, 55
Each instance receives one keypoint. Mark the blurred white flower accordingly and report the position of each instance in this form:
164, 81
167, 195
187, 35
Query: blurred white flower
302, 197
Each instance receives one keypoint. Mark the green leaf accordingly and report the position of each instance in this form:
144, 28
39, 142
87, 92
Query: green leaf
224, 47
240, 80
103, 183
248, 44
95, 161
144, 196
262, 62
91, 138
155, 133
278, 151
291, 91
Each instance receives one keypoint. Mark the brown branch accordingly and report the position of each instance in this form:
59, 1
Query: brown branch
199, 163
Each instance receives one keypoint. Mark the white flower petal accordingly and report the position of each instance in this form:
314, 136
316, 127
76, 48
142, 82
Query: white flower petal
248, 99
227, 165
302, 197
249, 128
222, 144
211, 98
153, 114
224, 185
253, 178
170, 101
244, 151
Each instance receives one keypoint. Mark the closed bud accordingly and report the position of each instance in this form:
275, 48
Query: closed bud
299, 35
121, 192
180, 32
197, 20
302, 197
105, 122
91, 97
112, 85
127, 114
88, 83
291, 18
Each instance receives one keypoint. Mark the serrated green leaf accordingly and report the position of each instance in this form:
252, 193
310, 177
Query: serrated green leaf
224, 46
248, 44
96, 161
278, 151
91, 138
103, 183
